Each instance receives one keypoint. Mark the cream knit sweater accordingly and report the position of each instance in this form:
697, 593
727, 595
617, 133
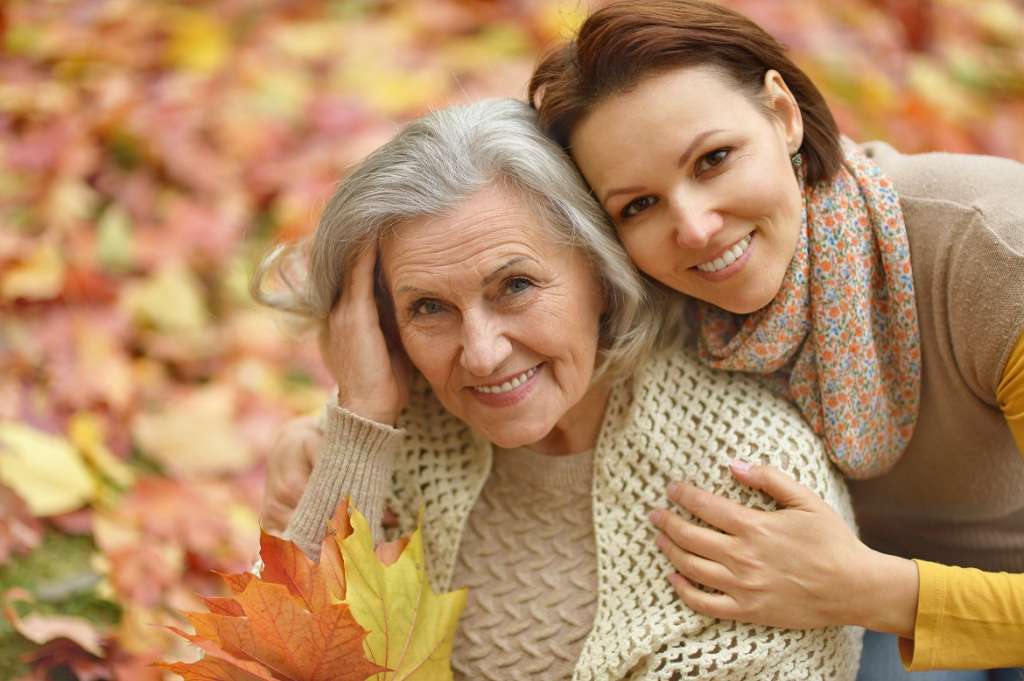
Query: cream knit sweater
675, 419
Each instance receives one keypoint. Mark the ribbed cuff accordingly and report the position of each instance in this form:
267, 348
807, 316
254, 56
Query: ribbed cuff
356, 461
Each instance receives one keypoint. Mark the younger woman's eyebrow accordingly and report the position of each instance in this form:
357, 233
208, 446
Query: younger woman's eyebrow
683, 159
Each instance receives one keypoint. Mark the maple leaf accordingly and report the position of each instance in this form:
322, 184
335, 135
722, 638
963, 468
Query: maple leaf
298, 621
283, 625
331, 560
411, 628
293, 570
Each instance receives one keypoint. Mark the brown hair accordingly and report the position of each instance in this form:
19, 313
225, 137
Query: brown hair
622, 44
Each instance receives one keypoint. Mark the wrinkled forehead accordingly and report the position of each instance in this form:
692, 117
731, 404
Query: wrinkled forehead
488, 228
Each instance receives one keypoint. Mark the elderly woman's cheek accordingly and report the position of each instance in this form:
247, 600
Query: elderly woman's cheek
426, 348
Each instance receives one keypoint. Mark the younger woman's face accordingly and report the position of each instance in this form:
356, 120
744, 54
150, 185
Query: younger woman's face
698, 180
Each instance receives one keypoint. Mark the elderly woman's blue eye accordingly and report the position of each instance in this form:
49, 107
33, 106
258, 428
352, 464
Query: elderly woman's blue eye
426, 307
638, 205
518, 284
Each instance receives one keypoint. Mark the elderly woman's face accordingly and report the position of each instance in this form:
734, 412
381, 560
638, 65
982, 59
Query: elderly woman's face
698, 180
500, 318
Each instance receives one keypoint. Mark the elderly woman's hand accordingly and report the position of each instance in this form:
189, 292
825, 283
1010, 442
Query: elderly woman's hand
372, 377
799, 567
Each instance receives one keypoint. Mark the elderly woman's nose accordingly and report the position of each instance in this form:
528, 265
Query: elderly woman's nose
485, 346
694, 224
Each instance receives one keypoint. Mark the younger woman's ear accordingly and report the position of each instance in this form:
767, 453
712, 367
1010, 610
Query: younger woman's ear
781, 102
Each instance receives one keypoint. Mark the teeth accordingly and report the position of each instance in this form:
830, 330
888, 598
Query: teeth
727, 258
507, 385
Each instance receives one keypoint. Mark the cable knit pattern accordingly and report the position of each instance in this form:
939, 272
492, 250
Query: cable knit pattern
676, 419
529, 560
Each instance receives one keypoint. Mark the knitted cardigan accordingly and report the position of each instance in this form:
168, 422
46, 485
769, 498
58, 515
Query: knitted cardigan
674, 419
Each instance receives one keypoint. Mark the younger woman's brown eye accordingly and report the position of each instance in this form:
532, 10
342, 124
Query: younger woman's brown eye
709, 161
637, 206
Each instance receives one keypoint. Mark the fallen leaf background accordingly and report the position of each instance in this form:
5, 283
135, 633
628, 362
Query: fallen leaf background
151, 151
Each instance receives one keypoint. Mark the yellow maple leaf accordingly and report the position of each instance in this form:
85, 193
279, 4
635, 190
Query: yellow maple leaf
44, 470
411, 627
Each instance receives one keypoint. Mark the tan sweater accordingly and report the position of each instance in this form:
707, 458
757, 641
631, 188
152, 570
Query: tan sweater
531, 567
676, 419
957, 494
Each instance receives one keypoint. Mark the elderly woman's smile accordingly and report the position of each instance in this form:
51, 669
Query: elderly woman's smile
502, 319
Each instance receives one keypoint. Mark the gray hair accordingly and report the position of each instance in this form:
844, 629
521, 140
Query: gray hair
428, 169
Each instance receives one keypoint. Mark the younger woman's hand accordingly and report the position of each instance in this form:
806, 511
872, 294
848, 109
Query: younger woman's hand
372, 378
798, 567
289, 464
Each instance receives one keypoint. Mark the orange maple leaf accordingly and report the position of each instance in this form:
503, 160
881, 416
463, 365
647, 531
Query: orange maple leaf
284, 625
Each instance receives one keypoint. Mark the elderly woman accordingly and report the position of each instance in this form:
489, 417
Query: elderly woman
884, 294
544, 412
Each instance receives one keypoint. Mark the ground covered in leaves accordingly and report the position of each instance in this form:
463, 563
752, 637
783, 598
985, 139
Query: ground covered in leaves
151, 151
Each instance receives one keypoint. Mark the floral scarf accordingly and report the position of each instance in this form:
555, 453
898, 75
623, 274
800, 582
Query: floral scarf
841, 336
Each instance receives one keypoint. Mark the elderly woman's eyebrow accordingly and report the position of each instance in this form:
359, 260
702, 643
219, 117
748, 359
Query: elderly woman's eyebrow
497, 272
508, 265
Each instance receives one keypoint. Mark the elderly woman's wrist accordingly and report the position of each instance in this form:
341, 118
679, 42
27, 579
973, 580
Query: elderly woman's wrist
369, 412
346, 427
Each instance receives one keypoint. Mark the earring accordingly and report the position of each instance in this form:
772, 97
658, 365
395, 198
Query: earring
797, 159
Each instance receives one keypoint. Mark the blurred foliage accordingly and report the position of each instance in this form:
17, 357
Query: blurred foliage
151, 150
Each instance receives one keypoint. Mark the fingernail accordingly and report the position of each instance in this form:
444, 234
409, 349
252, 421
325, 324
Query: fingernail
655, 516
740, 466
674, 488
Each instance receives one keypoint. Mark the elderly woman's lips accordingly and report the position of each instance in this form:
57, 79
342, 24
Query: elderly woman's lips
509, 391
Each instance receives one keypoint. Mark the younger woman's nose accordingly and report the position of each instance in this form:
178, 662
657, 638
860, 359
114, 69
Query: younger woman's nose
695, 226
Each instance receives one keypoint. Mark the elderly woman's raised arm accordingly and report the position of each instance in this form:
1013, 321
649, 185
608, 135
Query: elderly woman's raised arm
360, 440
355, 462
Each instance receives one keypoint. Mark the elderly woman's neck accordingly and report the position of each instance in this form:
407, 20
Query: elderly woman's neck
578, 429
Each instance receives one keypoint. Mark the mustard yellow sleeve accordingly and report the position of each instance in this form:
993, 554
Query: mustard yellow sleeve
1010, 393
966, 619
